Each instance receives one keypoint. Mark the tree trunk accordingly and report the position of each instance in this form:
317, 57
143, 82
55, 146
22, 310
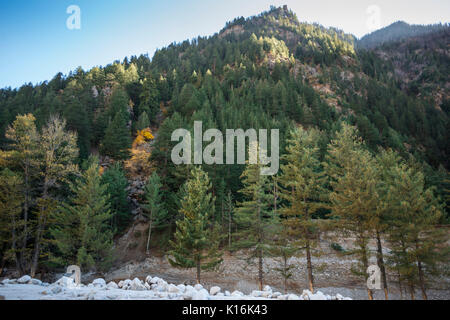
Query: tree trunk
285, 274
421, 275
149, 232
411, 290
37, 247
380, 261
400, 284
309, 267
260, 269
26, 207
229, 230
365, 262
14, 247
198, 271
260, 253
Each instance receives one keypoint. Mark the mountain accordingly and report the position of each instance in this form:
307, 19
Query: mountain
268, 71
399, 30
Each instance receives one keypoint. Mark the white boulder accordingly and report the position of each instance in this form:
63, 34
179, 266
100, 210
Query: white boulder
99, 283
112, 285
214, 290
24, 279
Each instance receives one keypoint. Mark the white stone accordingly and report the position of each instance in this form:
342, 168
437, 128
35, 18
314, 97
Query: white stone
112, 285
182, 287
56, 289
293, 297
173, 289
237, 293
120, 284
214, 290
268, 288
198, 287
66, 282
137, 285
24, 279
256, 293
201, 295
99, 283
154, 280
276, 294
148, 280
227, 293
36, 282
318, 296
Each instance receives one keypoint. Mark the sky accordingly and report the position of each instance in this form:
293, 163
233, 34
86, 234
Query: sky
36, 44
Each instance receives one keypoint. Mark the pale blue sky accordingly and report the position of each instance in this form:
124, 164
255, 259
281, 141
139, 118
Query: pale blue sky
35, 43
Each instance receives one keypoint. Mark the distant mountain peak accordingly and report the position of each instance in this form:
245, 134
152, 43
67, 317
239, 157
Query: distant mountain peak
397, 31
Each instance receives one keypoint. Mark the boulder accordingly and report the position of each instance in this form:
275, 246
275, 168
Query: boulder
227, 293
201, 295
66, 282
256, 293
112, 285
237, 293
318, 296
36, 282
173, 289
148, 280
276, 294
293, 297
137, 285
214, 290
24, 279
198, 287
99, 283
56, 289
268, 289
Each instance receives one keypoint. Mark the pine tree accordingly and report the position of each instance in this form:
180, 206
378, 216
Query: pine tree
253, 216
81, 229
11, 224
303, 181
353, 199
116, 186
196, 244
418, 245
117, 140
24, 156
154, 206
143, 122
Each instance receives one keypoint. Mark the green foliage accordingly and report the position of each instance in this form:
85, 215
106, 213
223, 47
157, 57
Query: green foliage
82, 229
116, 187
195, 243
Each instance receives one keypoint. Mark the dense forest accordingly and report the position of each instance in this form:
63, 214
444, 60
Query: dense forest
362, 151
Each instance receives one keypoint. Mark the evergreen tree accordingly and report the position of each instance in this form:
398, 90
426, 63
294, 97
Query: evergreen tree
353, 199
143, 122
303, 179
154, 206
253, 216
24, 156
196, 244
117, 140
116, 187
11, 223
81, 229
418, 246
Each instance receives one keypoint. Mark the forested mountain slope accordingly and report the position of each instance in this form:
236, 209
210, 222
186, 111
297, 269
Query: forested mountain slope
269, 71
397, 31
